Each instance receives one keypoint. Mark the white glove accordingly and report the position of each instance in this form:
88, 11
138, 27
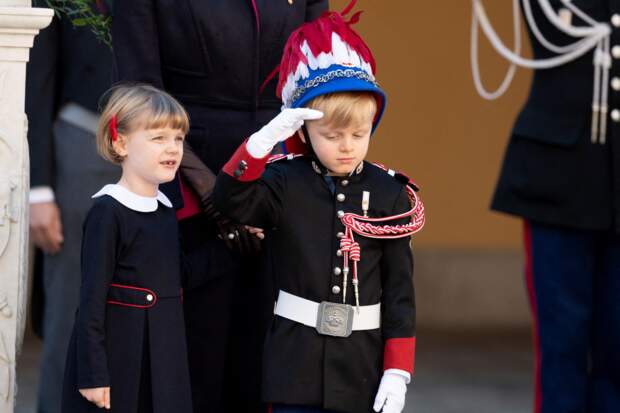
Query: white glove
279, 129
391, 394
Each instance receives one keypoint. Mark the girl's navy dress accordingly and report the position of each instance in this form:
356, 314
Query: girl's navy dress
129, 332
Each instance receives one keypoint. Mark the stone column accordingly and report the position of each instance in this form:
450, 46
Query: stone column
19, 24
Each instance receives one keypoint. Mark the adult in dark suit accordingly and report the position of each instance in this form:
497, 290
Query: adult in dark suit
566, 186
213, 57
69, 69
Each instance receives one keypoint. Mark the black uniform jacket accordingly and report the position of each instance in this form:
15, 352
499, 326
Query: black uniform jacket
552, 173
67, 64
130, 302
213, 56
297, 206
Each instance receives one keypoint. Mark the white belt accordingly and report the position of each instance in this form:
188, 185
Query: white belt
306, 312
79, 117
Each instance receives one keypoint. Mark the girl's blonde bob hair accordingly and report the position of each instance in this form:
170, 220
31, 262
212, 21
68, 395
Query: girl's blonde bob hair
137, 106
343, 109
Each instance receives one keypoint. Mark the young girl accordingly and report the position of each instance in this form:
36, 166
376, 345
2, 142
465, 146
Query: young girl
127, 350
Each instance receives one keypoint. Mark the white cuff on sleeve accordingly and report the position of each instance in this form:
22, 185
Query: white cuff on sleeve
399, 372
41, 194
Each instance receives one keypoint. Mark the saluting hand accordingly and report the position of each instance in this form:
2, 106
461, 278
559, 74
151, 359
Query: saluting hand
279, 129
100, 396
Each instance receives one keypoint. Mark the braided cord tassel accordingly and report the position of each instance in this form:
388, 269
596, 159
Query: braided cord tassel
345, 247
351, 251
364, 226
356, 254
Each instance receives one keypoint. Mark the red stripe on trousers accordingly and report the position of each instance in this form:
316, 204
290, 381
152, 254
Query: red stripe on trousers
529, 277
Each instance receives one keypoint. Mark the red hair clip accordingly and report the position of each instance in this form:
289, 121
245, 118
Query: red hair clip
113, 129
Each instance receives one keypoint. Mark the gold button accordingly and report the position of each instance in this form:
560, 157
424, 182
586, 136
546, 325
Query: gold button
615, 52
615, 115
615, 83
615, 20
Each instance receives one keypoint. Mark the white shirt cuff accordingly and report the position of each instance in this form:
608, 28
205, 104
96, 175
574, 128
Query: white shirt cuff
399, 372
41, 194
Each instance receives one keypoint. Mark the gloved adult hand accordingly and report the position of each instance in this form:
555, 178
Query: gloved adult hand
202, 180
391, 394
279, 129
239, 237
235, 236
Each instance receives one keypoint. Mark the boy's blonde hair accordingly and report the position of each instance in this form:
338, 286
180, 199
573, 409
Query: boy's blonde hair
343, 109
137, 106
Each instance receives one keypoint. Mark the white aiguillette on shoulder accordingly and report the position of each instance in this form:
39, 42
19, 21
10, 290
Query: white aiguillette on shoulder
132, 200
589, 35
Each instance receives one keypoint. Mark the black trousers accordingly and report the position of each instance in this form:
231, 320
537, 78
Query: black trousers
226, 317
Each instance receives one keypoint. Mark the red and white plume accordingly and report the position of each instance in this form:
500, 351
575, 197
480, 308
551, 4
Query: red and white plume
317, 47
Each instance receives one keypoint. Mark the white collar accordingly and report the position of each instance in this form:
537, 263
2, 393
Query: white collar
132, 200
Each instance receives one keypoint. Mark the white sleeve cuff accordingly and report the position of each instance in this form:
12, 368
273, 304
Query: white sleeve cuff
258, 148
399, 372
41, 194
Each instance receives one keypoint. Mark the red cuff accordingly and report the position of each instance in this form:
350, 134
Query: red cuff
243, 166
399, 353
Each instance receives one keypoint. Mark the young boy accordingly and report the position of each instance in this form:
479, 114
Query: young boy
343, 336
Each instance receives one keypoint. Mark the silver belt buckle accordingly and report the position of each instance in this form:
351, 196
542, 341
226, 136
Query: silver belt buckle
334, 319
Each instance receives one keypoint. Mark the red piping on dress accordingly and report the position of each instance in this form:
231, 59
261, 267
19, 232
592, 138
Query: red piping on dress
129, 287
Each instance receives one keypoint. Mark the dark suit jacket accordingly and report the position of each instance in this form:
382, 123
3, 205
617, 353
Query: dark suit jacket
214, 53
552, 173
212, 56
67, 64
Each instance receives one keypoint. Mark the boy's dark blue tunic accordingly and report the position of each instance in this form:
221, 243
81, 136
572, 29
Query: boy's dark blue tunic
129, 332
299, 207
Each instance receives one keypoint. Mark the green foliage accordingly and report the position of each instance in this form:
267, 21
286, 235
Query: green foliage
84, 13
